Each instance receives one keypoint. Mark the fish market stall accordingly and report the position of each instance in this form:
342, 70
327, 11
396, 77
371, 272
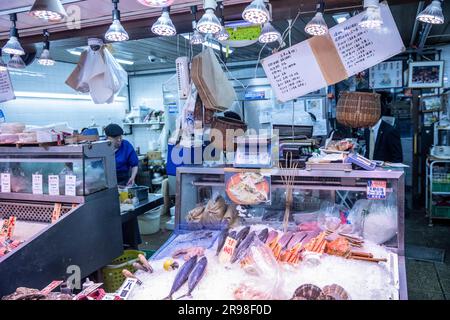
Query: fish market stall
60, 208
338, 240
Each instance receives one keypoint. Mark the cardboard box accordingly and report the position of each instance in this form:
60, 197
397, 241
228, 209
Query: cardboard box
154, 155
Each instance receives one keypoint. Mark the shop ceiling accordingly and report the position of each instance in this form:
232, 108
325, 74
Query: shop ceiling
137, 19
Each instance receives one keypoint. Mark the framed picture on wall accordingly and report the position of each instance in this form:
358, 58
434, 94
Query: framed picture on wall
426, 74
386, 75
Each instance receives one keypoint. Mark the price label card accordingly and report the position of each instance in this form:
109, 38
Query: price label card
53, 185
71, 185
376, 190
37, 184
127, 287
227, 250
6, 182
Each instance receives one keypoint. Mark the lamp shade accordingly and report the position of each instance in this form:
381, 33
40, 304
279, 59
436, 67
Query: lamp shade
371, 19
317, 26
164, 26
209, 23
197, 38
13, 47
222, 35
51, 10
45, 59
156, 3
432, 13
269, 34
116, 32
256, 12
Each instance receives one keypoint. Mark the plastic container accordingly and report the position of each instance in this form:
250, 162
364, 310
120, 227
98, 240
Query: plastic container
149, 223
112, 273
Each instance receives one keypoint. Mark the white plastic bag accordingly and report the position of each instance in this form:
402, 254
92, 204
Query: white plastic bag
380, 223
115, 76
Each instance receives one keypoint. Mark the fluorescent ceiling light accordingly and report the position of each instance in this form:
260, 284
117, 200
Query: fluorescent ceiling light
121, 61
341, 17
210, 44
51, 95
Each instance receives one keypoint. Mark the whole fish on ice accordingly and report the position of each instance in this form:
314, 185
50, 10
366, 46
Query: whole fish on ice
196, 275
221, 240
182, 276
239, 251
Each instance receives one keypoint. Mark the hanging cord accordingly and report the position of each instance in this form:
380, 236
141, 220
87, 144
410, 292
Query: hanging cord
288, 30
259, 59
229, 72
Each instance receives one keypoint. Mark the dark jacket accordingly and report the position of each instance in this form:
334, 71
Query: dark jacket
388, 146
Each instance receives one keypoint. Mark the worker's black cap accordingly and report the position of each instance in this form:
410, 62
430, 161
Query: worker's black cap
113, 130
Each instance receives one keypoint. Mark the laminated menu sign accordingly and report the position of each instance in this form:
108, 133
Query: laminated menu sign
71, 185
6, 88
325, 60
6, 182
37, 184
376, 190
53, 185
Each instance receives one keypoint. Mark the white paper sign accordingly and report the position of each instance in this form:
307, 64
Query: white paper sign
360, 49
71, 185
53, 185
6, 182
6, 89
294, 72
37, 184
320, 128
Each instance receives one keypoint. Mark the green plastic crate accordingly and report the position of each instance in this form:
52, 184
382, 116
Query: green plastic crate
442, 212
112, 273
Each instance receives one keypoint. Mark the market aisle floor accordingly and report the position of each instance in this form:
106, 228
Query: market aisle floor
426, 280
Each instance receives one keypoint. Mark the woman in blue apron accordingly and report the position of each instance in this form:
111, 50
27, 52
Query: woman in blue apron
126, 169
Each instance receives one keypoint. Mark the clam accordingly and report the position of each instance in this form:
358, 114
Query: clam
307, 292
336, 292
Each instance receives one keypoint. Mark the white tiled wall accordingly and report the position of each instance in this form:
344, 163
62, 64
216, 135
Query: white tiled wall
147, 90
42, 111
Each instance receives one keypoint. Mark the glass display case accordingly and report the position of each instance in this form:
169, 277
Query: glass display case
357, 204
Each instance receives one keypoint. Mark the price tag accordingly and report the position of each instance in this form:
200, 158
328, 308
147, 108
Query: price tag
56, 212
227, 250
88, 291
110, 296
52, 286
376, 189
37, 184
71, 185
53, 185
127, 287
6, 182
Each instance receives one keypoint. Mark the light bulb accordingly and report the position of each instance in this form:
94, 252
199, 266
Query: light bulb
164, 26
371, 19
16, 63
51, 10
45, 58
13, 47
432, 13
256, 12
222, 35
317, 26
197, 38
156, 3
269, 34
116, 32
209, 23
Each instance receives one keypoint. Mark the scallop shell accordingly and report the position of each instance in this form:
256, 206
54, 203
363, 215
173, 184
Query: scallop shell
336, 292
325, 297
308, 291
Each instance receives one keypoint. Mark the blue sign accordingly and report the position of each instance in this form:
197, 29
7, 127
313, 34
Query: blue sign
255, 95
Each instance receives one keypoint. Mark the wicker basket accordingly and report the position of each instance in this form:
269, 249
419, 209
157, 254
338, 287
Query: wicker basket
358, 109
223, 124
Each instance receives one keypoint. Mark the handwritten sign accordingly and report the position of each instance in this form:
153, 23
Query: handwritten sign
71, 185
322, 61
37, 183
53, 185
6, 88
376, 190
360, 48
56, 212
294, 72
6, 182
227, 250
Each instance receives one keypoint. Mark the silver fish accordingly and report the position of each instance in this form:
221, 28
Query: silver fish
239, 251
242, 235
221, 240
182, 276
196, 275
263, 235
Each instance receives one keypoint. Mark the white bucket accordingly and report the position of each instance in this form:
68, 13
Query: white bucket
149, 223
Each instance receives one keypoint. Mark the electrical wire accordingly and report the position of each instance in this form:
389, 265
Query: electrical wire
229, 72
259, 60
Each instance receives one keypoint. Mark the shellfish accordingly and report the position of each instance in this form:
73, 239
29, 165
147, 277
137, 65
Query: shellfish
336, 292
307, 292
